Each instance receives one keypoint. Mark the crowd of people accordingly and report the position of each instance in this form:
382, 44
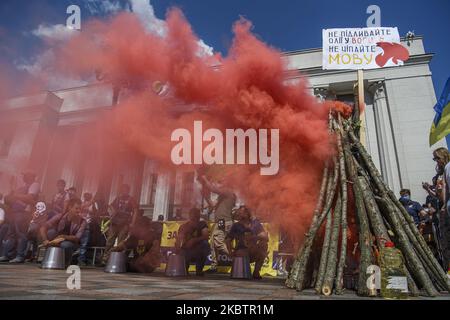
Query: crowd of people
432, 218
76, 223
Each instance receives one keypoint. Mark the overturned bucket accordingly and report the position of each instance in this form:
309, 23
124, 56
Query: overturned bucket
241, 268
54, 258
176, 266
117, 262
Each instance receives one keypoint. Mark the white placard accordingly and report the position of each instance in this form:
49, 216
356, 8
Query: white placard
397, 283
362, 48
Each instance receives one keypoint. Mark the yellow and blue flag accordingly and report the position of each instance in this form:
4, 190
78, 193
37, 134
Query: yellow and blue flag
441, 123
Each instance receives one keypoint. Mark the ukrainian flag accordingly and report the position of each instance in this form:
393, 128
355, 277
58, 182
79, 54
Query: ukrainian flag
441, 123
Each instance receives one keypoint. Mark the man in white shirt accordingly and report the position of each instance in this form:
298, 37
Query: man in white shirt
21, 199
3, 223
2, 210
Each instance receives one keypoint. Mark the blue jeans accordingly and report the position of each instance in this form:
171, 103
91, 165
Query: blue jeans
84, 241
68, 246
17, 235
4, 228
197, 254
33, 238
448, 210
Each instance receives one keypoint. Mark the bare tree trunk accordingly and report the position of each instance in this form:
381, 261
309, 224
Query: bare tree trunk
417, 239
330, 271
365, 236
298, 264
376, 220
324, 253
305, 252
343, 254
420, 244
414, 263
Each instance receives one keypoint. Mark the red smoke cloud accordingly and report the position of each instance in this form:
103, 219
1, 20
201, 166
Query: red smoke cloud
248, 90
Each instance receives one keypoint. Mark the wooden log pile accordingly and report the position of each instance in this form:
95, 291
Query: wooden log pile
379, 217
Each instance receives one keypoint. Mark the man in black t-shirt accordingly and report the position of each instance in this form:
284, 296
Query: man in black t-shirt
192, 241
144, 239
251, 239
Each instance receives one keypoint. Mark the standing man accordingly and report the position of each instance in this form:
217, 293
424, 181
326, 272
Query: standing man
21, 199
251, 239
222, 217
414, 208
124, 213
192, 241
442, 158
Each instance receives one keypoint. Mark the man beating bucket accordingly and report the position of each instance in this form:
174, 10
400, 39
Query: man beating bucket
251, 239
65, 230
144, 239
124, 213
192, 241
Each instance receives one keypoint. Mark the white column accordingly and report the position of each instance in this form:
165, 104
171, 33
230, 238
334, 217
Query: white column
371, 133
178, 192
146, 192
162, 196
386, 143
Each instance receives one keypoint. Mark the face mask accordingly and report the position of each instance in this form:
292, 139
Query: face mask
40, 207
404, 199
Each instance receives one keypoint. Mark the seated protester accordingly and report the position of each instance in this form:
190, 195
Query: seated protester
38, 219
60, 199
124, 210
65, 230
72, 192
144, 239
4, 224
99, 210
192, 241
22, 201
178, 215
251, 239
414, 208
88, 214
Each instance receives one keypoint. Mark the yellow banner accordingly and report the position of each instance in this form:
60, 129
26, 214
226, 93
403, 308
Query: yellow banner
170, 232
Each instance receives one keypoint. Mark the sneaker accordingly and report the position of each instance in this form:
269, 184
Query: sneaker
4, 259
17, 260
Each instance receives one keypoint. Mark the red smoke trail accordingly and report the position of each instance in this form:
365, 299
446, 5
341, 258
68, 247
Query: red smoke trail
248, 90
